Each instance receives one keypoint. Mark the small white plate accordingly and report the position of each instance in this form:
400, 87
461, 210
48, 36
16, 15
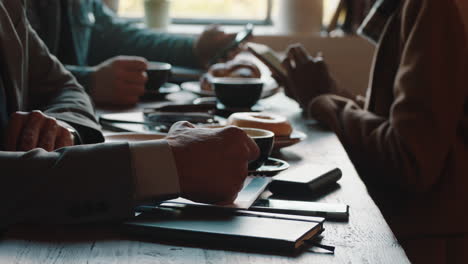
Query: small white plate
165, 89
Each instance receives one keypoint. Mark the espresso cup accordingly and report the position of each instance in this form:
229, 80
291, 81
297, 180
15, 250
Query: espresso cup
158, 74
264, 140
237, 92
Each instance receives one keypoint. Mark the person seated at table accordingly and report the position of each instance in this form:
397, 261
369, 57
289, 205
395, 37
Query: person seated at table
42, 184
89, 39
409, 140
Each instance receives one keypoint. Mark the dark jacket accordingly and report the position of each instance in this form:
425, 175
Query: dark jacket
410, 142
73, 184
98, 34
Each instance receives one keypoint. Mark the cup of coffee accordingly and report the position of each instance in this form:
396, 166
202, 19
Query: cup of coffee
158, 74
238, 92
264, 140
157, 14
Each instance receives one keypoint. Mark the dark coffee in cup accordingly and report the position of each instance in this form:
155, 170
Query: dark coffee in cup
238, 92
158, 74
264, 140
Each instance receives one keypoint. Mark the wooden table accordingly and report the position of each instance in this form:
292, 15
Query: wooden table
366, 238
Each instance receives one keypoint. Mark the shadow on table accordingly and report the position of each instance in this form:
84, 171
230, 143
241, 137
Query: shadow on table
286, 155
63, 233
94, 233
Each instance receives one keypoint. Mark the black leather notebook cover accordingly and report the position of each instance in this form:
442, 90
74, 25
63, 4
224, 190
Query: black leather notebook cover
240, 229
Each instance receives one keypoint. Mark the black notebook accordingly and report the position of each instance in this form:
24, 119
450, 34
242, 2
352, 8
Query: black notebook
276, 233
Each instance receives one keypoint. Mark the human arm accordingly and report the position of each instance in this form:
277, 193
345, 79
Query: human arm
209, 165
119, 81
54, 91
308, 77
113, 36
409, 148
105, 181
116, 81
75, 184
211, 162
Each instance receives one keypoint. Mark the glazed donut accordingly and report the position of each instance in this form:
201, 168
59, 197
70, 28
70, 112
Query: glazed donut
275, 123
233, 69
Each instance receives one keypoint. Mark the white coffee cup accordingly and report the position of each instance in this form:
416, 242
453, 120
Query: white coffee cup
300, 16
157, 14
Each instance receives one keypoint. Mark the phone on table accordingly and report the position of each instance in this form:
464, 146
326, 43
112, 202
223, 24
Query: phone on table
269, 57
240, 37
306, 184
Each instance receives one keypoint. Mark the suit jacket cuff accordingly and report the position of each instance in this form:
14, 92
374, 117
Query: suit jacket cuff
155, 171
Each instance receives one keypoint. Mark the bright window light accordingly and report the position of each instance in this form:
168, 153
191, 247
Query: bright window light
204, 9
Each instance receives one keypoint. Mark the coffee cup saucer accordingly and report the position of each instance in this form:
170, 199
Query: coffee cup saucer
270, 88
224, 111
255, 108
295, 137
258, 107
271, 167
164, 90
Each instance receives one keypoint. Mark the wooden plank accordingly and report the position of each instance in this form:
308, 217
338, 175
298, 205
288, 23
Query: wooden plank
366, 238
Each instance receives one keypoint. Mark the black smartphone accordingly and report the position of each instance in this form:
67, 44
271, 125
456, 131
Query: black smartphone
293, 185
240, 37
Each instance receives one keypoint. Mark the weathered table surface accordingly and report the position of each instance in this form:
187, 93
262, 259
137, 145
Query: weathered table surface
366, 238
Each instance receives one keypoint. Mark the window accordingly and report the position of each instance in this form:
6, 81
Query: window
329, 9
207, 11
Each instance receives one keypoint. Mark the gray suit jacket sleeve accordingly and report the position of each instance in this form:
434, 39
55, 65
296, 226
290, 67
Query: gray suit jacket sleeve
52, 89
77, 184
82, 75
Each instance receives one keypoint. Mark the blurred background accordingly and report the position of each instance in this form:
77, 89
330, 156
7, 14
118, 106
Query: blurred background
326, 26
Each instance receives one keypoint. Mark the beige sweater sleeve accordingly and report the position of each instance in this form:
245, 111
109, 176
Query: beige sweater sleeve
410, 147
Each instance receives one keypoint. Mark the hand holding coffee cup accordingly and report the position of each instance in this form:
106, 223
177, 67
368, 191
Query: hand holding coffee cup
119, 80
211, 162
264, 139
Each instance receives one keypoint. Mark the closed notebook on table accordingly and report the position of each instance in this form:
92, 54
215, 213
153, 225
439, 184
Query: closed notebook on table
275, 233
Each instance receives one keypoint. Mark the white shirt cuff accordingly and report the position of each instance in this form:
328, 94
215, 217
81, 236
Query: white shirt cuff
155, 170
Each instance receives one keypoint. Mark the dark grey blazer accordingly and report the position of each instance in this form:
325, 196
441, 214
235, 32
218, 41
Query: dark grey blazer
76, 184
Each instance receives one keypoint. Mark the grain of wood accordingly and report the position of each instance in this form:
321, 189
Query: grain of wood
366, 238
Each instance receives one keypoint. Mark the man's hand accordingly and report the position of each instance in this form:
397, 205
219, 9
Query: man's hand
211, 42
29, 130
119, 81
211, 162
308, 77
